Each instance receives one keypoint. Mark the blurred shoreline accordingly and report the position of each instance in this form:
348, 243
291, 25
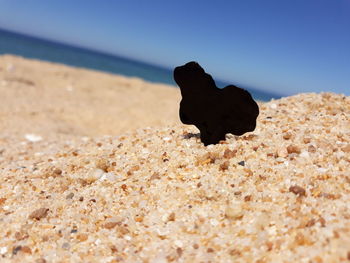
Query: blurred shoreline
46, 50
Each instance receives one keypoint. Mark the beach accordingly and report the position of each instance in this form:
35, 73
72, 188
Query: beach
72, 101
96, 167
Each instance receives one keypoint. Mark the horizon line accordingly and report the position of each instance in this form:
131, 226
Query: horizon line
127, 58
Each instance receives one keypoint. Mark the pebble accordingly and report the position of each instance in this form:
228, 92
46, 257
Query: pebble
287, 136
322, 170
282, 152
10, 67
272, 231
311, 149
234, 212
82, 237
66, 245
26, 249
214, 222
242, 163
273, 106
69, 88
110, 225
224, 166
304, 154
57, 171
3, 250
228, 154
85, 139
298, 190
33, 137
346, 148
280, 160
16, 250
110, 176
39, 213
293, 149
178, 243
95, 174
70, 196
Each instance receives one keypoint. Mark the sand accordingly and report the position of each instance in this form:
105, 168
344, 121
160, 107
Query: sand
71, 101
97, 168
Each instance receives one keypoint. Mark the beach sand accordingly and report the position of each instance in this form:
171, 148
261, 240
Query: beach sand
97, 168
72, 101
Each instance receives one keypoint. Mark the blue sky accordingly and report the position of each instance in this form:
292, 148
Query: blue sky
285, 46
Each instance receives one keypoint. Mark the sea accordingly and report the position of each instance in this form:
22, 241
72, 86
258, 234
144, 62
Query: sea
37, 48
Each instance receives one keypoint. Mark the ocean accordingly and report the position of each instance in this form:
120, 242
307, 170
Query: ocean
32, 47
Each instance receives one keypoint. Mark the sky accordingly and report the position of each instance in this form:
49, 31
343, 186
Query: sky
283, 46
